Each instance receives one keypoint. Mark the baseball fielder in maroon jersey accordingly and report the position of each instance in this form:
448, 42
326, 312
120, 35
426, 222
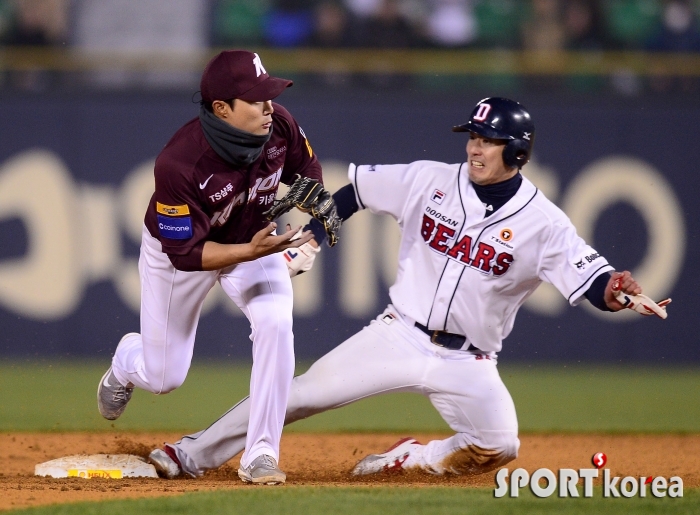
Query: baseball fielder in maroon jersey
213, 181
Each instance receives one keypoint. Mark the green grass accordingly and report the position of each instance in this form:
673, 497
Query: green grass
62, 397
380, 501
610, 399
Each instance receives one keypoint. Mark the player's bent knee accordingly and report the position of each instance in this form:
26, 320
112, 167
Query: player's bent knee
473, 459
168, 383
168, 387
300, 413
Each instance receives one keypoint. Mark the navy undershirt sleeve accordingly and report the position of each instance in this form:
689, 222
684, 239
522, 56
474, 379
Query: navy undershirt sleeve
596, 293
345, 203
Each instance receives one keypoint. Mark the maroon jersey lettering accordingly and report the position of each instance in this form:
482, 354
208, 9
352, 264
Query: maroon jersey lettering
461, 249
427, 228
439, 242
503, 262
483, 257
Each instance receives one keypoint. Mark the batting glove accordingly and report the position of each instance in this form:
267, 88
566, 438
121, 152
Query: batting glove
301, 259
640, 303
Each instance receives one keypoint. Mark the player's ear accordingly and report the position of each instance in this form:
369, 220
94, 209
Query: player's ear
219, 108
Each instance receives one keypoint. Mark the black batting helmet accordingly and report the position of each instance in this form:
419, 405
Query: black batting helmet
501, 118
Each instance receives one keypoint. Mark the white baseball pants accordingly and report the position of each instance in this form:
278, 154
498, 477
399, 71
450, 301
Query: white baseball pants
389, 355
157, 360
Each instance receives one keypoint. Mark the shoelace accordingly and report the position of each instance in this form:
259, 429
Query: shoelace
268, 462
122, 393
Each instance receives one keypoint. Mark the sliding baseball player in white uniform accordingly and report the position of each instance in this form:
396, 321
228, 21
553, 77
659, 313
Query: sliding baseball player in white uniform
477, 240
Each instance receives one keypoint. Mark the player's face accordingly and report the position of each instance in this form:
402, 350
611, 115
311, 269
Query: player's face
485, 158
253, 117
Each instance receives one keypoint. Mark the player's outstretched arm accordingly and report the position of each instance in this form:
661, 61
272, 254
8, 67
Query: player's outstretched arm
302, 259
309, 196
217, 255
623, 291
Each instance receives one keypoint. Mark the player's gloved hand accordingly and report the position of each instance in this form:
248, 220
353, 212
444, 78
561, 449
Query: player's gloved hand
639, 303
300, 260
309, 196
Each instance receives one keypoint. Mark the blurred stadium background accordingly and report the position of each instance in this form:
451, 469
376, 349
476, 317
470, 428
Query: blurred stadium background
91, 90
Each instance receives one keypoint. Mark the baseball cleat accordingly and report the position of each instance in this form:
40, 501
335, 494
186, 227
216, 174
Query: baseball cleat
262, 471
166, 462
391, 460
112, 396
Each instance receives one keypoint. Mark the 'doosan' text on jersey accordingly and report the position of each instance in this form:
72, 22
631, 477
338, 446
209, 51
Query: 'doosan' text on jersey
478, 269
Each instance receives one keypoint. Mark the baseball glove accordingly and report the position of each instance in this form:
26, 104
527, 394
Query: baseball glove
309, 196
640, 303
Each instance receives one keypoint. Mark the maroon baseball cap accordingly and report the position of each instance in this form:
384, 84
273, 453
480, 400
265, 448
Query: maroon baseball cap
239, 74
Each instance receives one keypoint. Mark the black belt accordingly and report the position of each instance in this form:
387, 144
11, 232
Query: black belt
443, 339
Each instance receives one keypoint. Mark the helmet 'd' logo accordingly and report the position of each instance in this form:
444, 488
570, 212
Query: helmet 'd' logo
506, 234
482, 113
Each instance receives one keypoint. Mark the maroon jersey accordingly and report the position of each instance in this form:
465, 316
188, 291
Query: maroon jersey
200, 197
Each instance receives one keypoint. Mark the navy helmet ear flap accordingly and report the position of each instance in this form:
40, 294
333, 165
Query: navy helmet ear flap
516, 153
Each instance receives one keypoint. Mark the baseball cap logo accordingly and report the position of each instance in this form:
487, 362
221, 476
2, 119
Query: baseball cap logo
230, 75
482, 112
259, 68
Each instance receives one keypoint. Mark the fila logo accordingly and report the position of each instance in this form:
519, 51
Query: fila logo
437, 197
259, 68
482, 113
527, 135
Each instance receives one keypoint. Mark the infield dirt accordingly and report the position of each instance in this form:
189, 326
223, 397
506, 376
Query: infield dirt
320, 459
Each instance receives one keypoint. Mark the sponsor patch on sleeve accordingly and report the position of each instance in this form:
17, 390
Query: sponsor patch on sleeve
179, 228
164, 209
582, 262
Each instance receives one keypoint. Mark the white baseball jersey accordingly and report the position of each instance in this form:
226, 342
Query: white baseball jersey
476, 270
459, 272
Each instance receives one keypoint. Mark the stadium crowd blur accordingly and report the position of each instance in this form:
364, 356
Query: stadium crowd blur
200, 25
656, 25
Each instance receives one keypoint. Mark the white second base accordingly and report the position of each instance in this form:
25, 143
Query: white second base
108, 466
